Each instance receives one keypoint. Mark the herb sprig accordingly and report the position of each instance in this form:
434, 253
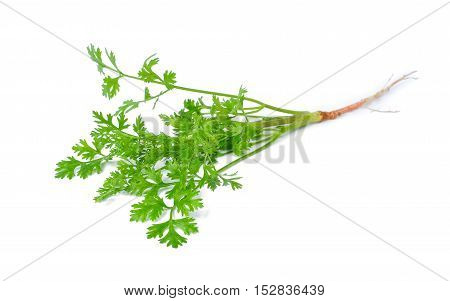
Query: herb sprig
167, 172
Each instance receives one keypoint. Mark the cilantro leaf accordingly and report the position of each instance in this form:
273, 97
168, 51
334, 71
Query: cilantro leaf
234, 184
146, 73
187, 225
157, 230
138, 184
85, 151
70, 167
139, 126
66, 168
147, 95
114, 184
169, 79
167, 233
96, 55
188, 202
150, 208
172, 238
110, 86
112, 58
127, 106
211, 177
89, 168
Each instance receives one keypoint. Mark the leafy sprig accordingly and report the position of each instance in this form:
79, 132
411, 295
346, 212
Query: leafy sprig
168, 172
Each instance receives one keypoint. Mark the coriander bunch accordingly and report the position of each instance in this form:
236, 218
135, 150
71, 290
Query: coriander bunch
167, 172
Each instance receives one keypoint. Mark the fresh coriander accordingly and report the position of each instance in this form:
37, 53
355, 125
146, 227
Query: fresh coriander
167, 172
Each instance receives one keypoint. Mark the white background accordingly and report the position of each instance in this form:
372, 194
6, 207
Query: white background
387, 172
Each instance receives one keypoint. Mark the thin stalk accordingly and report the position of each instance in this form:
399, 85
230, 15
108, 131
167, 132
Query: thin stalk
248, 155
292, 123
261, 148
194, 90
267, 106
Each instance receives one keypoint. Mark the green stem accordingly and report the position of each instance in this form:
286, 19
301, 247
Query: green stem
291, 123
155, 96
260, 141
231, 95
267, 106
248, 155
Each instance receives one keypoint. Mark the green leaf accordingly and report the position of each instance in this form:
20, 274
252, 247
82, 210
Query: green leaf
230, 179
110, 86
70, 167
172, 238
66, 168
157, 230
154, 175
137, 184
146, 73
169, 79
99, 144
112, 58
101, 120
211, 177
122, 122
89, 168
114, 184
167, 231
147, 95
176, 171
192, 106
139, 126
127, 106
96, 55
242, 92
150, 208
106, 124
235, 185
188, 203
85, 151
187, 225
